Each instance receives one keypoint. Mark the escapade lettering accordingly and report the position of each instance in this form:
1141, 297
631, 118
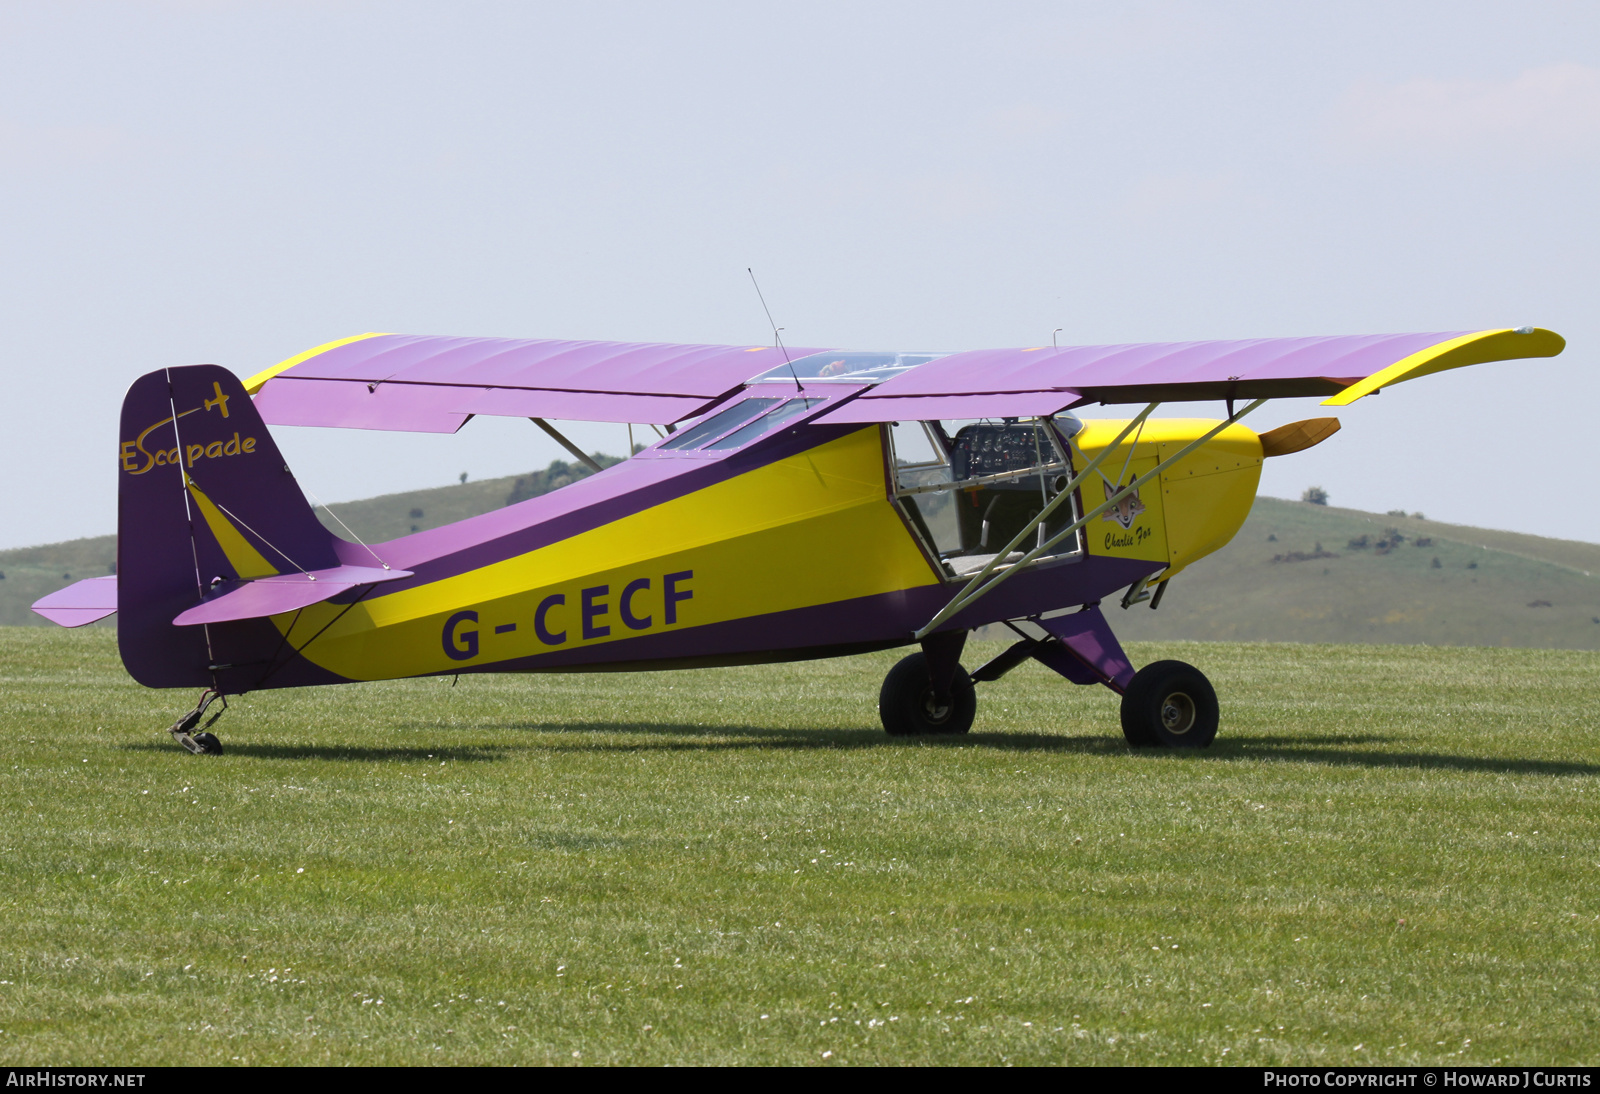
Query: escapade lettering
131, 451
460, 637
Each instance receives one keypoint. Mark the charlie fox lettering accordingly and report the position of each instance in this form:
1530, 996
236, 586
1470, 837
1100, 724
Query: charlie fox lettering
1128, 539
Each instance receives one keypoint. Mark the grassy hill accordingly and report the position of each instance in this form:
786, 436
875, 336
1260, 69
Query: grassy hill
1295, 573
1309, 573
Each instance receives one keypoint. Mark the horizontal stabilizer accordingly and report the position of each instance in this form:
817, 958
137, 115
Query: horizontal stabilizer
81, 603
266, 596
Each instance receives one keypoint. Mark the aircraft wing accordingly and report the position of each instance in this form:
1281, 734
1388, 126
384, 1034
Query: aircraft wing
434, 384
1041, 380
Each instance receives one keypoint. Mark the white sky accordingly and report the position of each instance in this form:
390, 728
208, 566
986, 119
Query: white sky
236, 182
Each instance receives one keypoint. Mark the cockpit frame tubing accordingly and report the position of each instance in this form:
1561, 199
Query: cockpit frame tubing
1039, 468
966, 595
978, 586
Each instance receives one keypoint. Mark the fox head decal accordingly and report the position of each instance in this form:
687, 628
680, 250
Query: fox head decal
1126, 511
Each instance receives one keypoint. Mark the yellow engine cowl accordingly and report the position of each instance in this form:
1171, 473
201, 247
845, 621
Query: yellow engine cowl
1202, 501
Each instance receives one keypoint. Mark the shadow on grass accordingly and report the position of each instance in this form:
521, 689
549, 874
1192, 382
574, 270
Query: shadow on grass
1328, 749
343, 752
1259, 748
1303, 739
687, 736
1311, 748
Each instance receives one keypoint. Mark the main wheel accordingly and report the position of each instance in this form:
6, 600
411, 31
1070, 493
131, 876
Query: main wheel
1169, 703
907, 706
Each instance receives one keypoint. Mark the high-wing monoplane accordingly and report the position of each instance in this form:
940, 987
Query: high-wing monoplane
797, 504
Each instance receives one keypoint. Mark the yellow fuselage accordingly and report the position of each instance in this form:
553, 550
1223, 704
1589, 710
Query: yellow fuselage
1202, 499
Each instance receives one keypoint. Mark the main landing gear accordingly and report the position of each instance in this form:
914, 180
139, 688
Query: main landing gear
929, 694
203, 743
1167, 703
911, 706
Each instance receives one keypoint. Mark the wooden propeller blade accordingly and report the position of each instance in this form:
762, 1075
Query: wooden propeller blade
1297, 436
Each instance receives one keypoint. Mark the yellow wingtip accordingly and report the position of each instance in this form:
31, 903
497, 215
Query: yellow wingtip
1480, 347
254, 384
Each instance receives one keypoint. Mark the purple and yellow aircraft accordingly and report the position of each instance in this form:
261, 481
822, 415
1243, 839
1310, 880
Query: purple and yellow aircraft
802, 503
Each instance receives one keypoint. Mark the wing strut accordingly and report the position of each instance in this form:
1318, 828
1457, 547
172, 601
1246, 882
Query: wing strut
987, 579
564, 443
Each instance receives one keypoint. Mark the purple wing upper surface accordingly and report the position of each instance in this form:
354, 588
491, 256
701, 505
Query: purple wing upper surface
1339, 367
433, 384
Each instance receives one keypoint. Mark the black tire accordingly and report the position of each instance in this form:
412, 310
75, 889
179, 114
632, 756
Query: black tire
907, 708
209, 745
1170, 703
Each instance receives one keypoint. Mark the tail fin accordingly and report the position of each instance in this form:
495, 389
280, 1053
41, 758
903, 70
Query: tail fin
203, 495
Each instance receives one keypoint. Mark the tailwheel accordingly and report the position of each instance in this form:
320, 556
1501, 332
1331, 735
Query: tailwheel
909, 708
1169, 703
203, 743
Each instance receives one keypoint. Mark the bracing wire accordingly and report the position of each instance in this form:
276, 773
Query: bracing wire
231, 515
327, 509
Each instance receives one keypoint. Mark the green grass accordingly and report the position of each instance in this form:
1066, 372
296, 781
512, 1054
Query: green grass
1388, 857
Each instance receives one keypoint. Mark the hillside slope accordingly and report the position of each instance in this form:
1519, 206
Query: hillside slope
1295, 573
1438, 584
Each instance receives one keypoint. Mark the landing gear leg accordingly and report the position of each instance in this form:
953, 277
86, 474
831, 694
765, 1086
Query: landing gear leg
203, 743
929, 693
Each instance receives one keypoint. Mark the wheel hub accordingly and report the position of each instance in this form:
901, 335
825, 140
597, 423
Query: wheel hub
1177, 713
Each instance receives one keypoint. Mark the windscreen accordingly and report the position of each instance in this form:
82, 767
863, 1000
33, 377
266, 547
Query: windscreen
719, 423
761, 425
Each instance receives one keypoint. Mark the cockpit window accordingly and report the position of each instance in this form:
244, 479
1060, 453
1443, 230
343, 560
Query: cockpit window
972, 489
738, 425
761, 425
719, 423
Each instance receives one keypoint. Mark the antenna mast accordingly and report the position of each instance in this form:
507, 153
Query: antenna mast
775, 329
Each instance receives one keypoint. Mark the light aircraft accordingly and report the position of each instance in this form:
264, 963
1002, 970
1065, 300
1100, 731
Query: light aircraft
802, 503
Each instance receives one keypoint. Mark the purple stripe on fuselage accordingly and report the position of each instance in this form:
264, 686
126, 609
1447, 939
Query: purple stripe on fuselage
826, 630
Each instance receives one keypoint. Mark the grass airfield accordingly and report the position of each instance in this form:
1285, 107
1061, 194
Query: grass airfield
1389, 857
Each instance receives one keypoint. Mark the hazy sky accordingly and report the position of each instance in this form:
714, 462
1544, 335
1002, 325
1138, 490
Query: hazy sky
236, 182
